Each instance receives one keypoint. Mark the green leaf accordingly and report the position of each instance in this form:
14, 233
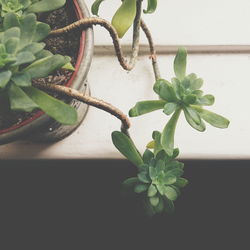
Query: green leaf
34, 48
56, 109
165, 90
194, 115
143, 177
28, 28
11, 45
176, 153
130, 182
124, 17
206, 100
181, 182
167, 138
177, 172
169, 179
145, 107
200, 127
152, 173
95, 7
24, 57
126, 147
68, 66
180, 63
171, 193
19, 100
152, 4
4, 78
196, 84
45, 66
11, 33
42, 31
152, 191
190, 99
154, 201
10, 20
157, 139
215, 120
21, 79
45, 5
169, 108
147, 156
140, 188
160, 207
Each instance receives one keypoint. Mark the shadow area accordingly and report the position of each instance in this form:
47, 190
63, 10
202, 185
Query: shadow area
78, 205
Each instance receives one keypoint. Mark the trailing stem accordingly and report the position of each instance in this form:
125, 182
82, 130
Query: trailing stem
100, 104
88, 22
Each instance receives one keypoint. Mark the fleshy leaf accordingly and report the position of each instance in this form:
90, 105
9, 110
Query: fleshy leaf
180, 63
126, 147
19, 100
55, 108
167, 138
213, 119
154, 201
152, 4
4, 78
139, 188
45, 5
169, 108
95, 7
124, 17
145, 107
152, 191
45, 66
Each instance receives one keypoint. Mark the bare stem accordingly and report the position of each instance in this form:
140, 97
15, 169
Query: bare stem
100, 104
152, 50
88, 22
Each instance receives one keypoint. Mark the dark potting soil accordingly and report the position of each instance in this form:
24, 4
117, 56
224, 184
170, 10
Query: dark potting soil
66, 44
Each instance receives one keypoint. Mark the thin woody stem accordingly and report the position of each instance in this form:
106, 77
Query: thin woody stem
100, 104
152, 50
88, 22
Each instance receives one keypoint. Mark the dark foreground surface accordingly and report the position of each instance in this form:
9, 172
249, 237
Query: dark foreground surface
75, 205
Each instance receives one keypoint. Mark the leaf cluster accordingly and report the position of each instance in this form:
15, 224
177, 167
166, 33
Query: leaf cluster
125, 15
183, 93
23, 58
159, 177
20, 7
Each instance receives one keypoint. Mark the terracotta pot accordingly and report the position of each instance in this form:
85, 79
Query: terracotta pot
40, 126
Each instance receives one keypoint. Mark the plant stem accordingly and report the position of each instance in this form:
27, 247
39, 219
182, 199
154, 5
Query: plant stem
100, 104
152, 50
88, 22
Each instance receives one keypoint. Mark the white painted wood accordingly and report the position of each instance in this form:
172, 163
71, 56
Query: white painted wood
189, 22
226, 76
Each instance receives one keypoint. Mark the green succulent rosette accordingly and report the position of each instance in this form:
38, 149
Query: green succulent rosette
23, 58
159, 177
182, 94
20, 7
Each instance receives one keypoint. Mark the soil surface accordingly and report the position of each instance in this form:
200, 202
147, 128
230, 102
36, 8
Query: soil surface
67, 44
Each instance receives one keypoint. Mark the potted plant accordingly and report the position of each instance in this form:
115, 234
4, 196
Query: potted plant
16, 125
159, 177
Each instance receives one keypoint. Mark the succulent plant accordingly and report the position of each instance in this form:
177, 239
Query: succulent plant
23, 58
159, 177
20, 7
125, 15
182, 94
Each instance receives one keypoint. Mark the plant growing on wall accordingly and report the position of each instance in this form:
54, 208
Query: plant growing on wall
23, 58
